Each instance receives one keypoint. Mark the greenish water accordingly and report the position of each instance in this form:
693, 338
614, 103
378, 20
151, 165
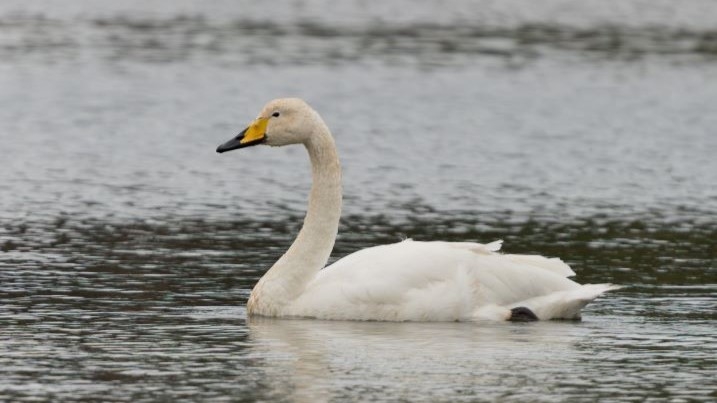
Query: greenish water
128, 247
155, 310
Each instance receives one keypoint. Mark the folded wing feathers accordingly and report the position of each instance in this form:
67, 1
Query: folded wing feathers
483, 249
554, 264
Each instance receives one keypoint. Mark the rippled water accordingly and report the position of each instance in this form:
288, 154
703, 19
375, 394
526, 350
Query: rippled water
128, 247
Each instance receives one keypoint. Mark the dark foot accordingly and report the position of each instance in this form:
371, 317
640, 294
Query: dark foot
522, 314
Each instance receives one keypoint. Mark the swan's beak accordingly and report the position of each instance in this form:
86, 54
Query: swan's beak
252, 135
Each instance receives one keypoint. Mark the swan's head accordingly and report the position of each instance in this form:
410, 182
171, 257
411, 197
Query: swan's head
281, 122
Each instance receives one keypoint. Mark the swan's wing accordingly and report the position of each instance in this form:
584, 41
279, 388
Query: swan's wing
552, 264
435, 280
479, 248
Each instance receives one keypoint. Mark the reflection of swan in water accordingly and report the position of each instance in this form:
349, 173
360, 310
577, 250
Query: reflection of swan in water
387, 361
406, 281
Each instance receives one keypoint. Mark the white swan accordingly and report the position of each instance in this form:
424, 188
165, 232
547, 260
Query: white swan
405, 281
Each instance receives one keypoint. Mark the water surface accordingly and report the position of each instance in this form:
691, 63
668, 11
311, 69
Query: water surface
128, 247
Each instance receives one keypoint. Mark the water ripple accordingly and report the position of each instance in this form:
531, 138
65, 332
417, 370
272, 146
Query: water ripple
264, 42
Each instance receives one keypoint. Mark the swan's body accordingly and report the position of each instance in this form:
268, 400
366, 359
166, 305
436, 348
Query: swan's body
405, 281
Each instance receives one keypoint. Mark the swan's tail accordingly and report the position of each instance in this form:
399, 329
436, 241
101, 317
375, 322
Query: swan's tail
565, 304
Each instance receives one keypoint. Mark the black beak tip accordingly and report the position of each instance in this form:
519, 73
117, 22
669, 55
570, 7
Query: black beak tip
232, 144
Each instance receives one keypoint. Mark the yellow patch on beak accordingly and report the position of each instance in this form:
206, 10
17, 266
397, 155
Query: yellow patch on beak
256, 131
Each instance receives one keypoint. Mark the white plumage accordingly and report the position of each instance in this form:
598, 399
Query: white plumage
441, 281
405, 281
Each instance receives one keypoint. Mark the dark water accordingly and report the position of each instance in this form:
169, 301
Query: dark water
128, 247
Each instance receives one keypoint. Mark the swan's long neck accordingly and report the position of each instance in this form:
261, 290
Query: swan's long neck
289, 276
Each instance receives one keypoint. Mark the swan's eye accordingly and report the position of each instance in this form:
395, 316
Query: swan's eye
275, 114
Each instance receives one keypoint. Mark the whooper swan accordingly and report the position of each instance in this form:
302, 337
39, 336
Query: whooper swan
404, 281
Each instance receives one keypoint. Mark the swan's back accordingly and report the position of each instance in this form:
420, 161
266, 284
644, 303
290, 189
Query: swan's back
436, 281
